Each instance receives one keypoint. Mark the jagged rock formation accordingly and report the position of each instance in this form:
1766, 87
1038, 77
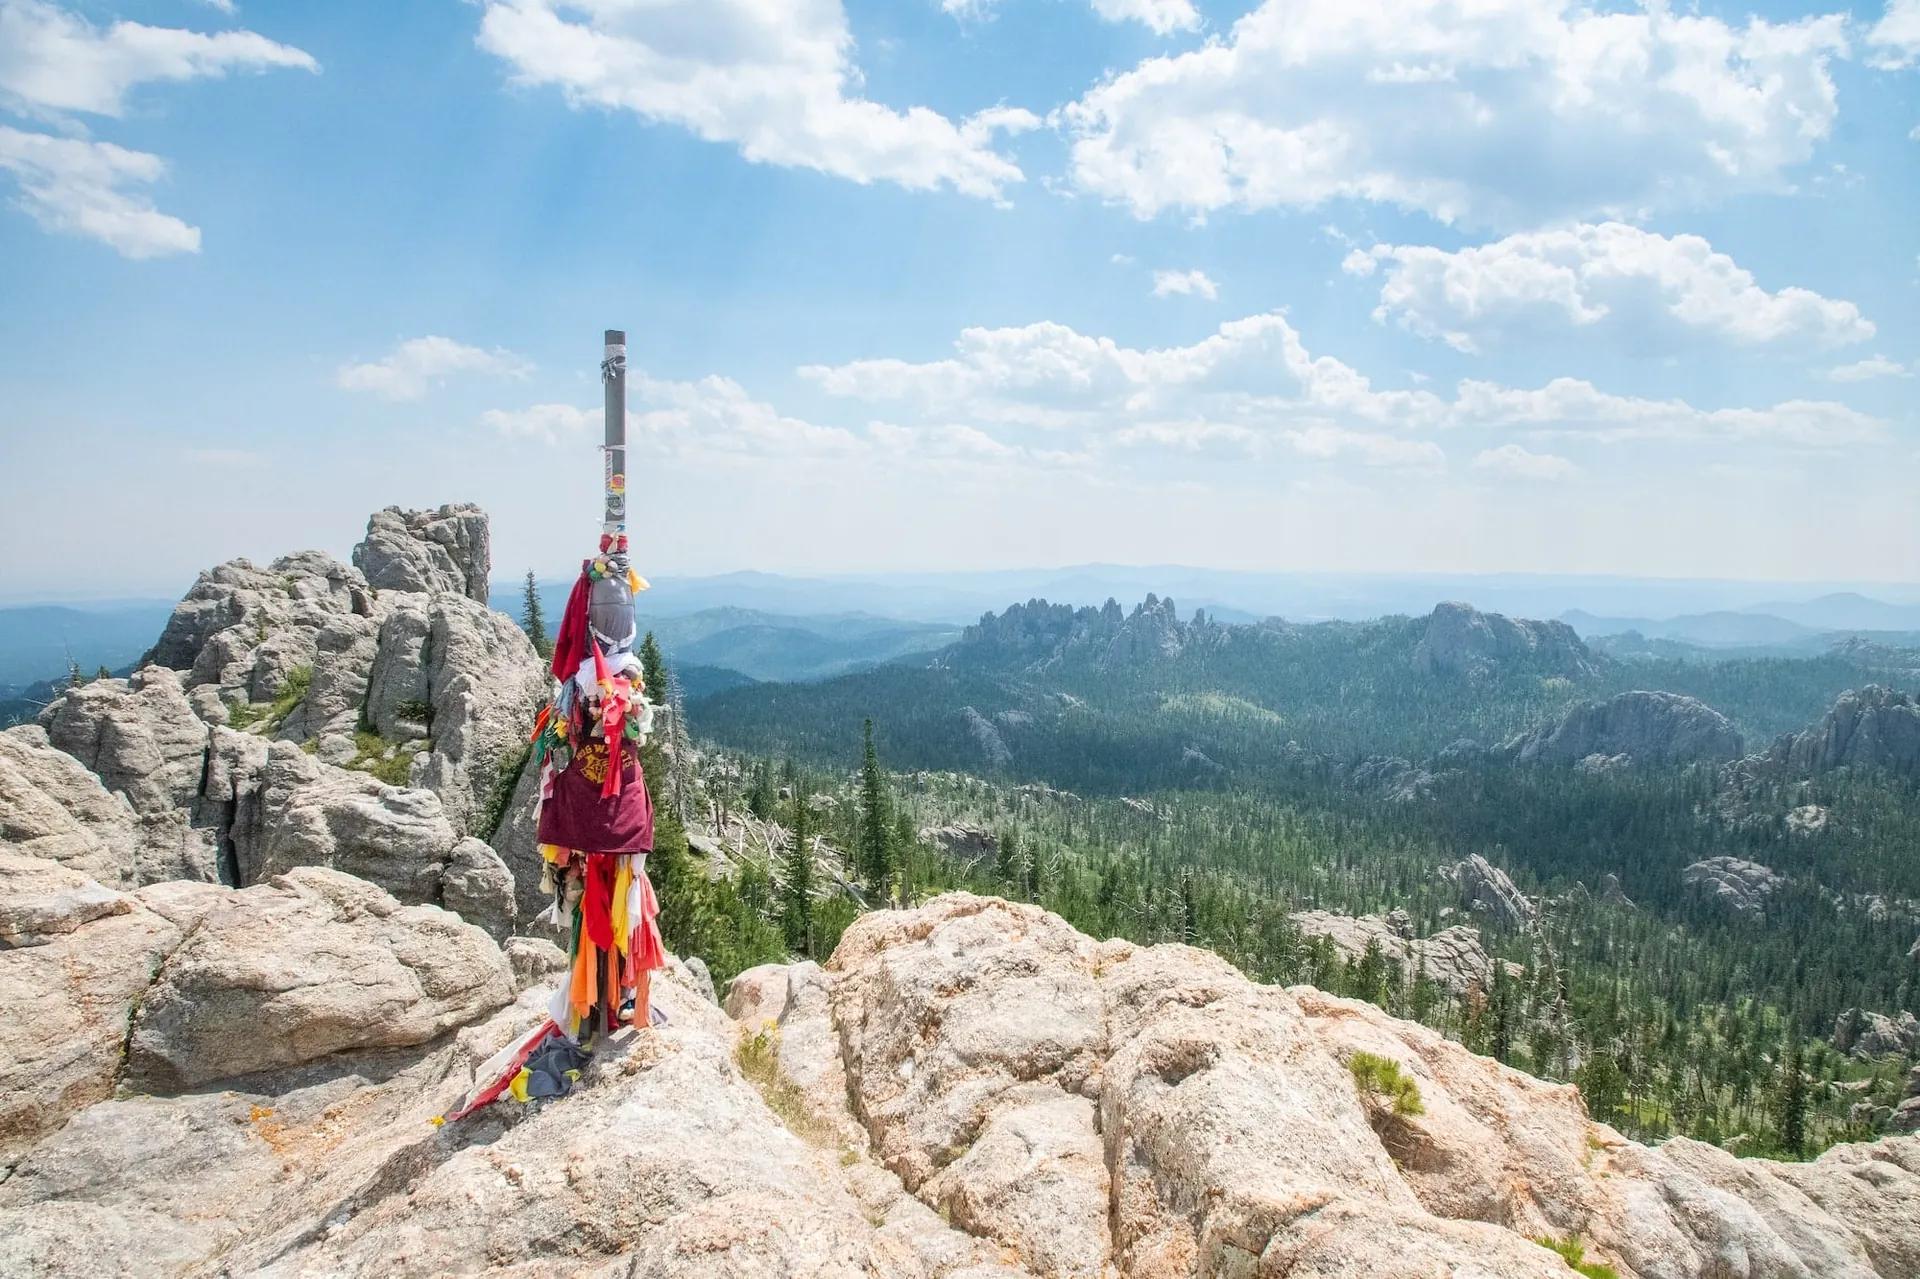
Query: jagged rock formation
1091, 1105
1460, 640
1390, 779
1734, 883
968, 1090
1453, 957
428, 552
1486, 890
181, 772
962, 839
1873, 728
1642, 726
52, 807
1871, 1034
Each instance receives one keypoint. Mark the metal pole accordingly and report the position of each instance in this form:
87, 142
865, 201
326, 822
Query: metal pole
613, 373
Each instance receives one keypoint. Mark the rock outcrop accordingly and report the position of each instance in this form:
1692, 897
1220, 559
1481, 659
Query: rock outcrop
1460, 640
1733, 882
1871, 1034
1100, 1108
52, 807
1453, 957
968, 1090
1872, 728
222, 759
1641, 726
961, 839
310, 964
1486, 890
428, 552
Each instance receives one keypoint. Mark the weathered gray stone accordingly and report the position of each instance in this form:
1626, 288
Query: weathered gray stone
428, 552
1460, 640
1871, 1034
1453, 957
1733, 882
478, 887
1872, 728
52, 807
310, 964
448, 670
1644, 727
41, 900
1485, 888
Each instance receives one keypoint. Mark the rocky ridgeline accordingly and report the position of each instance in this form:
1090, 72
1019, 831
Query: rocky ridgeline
368, 717
1462, 641
200, 1080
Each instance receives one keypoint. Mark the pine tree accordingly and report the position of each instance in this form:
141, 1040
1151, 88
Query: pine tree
1007, 859
875, 855
796, 893
533, 619
653, 669
1793, 1098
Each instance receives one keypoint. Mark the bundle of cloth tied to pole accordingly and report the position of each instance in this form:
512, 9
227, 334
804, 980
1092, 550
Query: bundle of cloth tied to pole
595, 830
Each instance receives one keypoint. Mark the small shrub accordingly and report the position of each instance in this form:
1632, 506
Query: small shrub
415, 712
505, 782
292, 693
370, 757
1381, 1079
1574, 1253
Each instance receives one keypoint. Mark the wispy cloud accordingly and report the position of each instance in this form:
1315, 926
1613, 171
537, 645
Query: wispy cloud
1521, 463
1871, 367
420, 363
71, 186
1187, 283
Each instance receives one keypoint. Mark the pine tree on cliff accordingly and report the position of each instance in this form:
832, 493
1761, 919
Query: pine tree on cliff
1793, 1098
875, 854
797, 893
653, 669
533, 619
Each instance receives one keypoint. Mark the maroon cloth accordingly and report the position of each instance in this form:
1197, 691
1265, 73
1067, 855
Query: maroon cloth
570, 644
575, 816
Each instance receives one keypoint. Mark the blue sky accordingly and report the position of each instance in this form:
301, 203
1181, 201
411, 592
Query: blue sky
1376, 285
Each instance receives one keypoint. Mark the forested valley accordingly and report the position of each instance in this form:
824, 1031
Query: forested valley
1161, 780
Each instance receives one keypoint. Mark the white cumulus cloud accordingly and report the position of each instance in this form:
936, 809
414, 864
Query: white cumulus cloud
1643, 290
1252, 387
419, 363
1503, 113
776, 80
549, 422
1896, 37
53, 60
1523, 464
1164, 16
72, 186
1871, 367
1187, 283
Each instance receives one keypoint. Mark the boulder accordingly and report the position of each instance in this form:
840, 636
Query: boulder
1460, 640
1646, 727
478, 887
52, 807
41, 900
1453, 957
141, 737
1485, 889
447, 670
80, 960
1871, 1034
962, 839
312, 963
1733, 882
243, 630
428, 552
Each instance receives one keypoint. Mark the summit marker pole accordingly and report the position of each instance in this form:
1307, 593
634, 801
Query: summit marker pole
613, 373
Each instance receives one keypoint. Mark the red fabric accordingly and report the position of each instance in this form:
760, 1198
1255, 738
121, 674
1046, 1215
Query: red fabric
570, 645
545, 1031
647, 950
596, 903
576, 815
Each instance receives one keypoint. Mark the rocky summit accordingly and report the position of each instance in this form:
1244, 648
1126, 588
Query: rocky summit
201, 1080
